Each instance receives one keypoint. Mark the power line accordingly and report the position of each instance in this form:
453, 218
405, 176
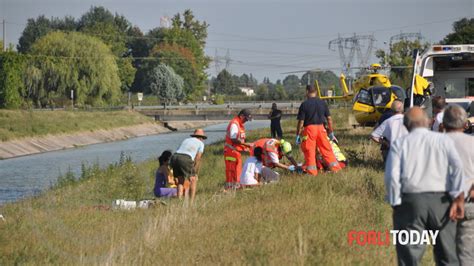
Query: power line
266, 39
265, 51
329, 35
352, 43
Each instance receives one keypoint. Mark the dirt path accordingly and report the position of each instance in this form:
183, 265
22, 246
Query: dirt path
33, 145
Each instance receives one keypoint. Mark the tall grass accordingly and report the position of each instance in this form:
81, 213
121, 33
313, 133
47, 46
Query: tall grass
300, 220
20, 123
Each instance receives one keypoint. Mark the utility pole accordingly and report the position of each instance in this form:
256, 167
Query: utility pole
4, 35
353, 44
217, 63
227, 60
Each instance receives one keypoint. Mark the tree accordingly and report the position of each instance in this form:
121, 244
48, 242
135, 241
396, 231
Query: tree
401, 54
253, 82
463, 32
11, 84
224, 84
326, 79
39, 27
182, 60
186, 39
244, 81
262, 92
166, 84
279, 93
291, 83
197, 28
112, 30
62, 62
98, 22
137, 43
181, 36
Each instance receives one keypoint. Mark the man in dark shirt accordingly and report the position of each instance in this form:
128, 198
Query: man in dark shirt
310, 132
386, 115
275, 126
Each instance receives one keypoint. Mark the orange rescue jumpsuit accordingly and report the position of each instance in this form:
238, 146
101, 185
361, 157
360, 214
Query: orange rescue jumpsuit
232, 154
315, 137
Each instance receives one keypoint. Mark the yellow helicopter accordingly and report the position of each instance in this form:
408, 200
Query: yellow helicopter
373, 95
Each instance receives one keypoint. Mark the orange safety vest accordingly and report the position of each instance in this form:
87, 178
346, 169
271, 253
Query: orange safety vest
240, 135
260, 143
268, 146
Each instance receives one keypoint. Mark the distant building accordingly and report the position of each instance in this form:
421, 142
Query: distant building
247, 91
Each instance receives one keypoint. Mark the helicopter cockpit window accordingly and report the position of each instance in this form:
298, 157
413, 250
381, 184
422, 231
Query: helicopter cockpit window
381, 95
364, 97
399, 92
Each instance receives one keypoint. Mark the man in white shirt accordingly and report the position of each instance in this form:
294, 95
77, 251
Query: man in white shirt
455, 121
423, 182
391, 129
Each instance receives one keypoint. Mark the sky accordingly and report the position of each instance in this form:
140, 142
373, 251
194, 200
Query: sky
268, 37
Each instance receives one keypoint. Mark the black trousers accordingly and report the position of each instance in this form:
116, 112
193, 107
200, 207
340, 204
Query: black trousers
276, 131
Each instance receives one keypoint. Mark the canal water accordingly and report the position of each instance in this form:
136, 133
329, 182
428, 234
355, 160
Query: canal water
26, 176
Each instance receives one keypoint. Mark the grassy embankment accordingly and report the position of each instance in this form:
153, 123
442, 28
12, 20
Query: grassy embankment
20, 124
301, 220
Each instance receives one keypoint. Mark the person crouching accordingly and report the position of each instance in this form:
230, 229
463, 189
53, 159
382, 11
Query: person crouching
186, 162
252, 170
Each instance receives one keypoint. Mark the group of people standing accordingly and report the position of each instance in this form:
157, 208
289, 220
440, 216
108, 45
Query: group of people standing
429, 179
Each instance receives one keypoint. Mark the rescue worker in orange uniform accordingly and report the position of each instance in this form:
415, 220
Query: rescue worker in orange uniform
273, 152
311, 134
234, 145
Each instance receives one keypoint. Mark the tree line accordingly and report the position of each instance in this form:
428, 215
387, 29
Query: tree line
292, 87
101, 56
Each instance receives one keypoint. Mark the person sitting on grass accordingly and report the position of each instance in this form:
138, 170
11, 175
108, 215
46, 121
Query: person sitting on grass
252, 170
165, 185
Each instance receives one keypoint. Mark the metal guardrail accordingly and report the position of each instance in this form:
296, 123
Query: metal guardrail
210, 117
198, 106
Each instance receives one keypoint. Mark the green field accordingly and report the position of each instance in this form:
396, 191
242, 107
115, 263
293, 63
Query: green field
300, 220
20, 124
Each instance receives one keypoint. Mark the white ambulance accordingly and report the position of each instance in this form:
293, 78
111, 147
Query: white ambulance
450, 70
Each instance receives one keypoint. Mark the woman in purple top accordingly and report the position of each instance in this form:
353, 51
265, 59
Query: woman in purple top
162, 183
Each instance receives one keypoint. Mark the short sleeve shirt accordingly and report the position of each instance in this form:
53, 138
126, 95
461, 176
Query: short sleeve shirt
438, 120
234, 131
313, 111
251, 167
191, 147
